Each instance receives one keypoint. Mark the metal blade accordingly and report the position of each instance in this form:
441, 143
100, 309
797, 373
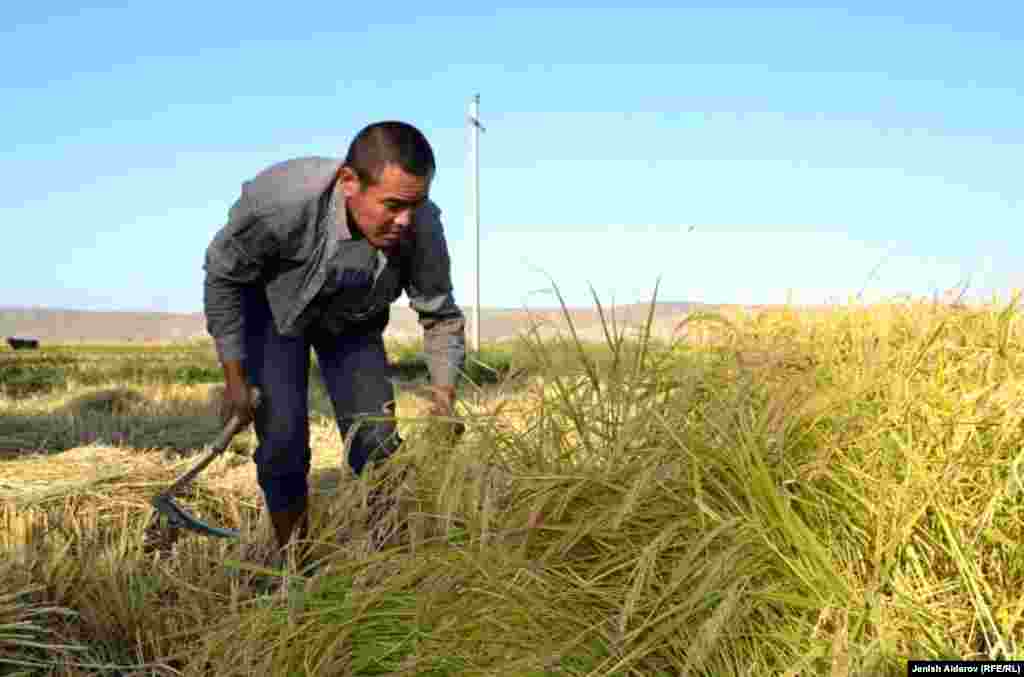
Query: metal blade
177, 518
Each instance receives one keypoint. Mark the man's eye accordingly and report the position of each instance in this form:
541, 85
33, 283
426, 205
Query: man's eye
399, 206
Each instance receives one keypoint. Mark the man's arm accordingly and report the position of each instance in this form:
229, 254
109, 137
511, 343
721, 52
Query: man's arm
429, 288
234, 259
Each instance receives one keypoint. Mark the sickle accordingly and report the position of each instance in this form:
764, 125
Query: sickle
177, 517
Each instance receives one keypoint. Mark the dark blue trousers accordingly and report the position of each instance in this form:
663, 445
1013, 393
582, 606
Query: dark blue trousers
355, 371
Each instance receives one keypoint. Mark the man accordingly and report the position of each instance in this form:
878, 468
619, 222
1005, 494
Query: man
313, 254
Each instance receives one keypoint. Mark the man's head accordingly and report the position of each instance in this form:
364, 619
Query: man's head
385, 178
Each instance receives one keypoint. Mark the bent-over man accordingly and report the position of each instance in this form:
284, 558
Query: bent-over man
313, 254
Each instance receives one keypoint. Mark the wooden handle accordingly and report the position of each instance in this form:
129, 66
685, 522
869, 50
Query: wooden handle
232, 428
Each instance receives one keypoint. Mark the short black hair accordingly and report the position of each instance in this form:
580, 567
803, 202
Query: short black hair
385, 143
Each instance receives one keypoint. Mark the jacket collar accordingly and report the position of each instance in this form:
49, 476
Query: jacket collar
338, 215
335, 223
337, 218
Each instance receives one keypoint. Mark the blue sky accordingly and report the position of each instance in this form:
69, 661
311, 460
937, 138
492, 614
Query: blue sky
815, 151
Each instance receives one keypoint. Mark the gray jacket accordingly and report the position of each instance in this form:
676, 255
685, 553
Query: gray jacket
288, 233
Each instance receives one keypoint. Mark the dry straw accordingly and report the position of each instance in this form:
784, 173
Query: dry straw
794, 491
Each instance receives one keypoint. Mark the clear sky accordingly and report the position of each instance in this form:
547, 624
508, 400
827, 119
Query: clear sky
811, 149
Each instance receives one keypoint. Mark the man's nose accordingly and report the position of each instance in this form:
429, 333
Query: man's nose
403, 219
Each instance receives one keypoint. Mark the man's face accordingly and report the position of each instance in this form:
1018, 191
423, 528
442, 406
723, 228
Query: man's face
383, 212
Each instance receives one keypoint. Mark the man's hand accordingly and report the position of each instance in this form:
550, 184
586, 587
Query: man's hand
444, 400
444, 406
238, 399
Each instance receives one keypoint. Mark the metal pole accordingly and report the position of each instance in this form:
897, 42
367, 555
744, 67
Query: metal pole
474, 120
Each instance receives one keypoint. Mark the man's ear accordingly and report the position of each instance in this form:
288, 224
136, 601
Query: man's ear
349, 181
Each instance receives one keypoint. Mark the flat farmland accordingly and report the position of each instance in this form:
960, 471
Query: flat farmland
794, 491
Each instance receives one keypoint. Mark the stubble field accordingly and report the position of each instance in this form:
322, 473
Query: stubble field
793, 492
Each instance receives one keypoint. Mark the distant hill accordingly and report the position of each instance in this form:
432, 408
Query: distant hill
66, 325
61, 325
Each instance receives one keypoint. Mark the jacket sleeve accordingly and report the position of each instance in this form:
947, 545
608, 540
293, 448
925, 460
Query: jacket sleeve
429, 288
234, 259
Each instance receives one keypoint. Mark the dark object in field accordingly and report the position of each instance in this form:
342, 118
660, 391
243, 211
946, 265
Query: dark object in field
22, 343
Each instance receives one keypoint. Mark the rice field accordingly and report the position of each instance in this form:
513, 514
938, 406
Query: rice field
794, 492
